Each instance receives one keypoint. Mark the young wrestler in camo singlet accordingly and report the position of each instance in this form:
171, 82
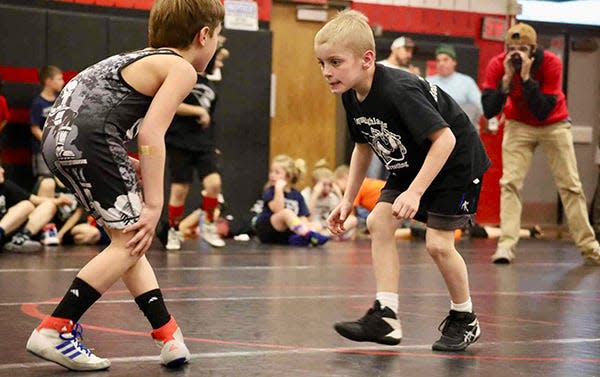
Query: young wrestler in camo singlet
96, 114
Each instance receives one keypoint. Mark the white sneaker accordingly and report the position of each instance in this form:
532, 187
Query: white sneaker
503, 256
50, 235
210, 235
591, 258
65, 349
174, 352
173, 240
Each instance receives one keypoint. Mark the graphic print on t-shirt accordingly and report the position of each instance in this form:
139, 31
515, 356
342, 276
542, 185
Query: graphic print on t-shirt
204, 95
386, 144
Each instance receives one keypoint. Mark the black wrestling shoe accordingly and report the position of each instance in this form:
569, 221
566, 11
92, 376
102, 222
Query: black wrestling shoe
378, 325
459, 330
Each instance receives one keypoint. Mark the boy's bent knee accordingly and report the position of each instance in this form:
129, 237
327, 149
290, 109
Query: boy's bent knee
212, 183
439, 243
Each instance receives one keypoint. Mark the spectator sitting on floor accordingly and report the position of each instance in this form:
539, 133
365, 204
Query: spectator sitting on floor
283, 219
323, 197
18, 207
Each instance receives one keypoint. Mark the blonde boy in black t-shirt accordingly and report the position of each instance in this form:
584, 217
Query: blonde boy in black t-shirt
436, 162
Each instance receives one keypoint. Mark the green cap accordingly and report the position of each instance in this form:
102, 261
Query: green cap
446, 49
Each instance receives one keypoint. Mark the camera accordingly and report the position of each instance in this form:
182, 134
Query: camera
516, 61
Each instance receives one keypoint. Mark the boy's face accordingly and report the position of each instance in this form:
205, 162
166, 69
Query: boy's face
341, 182
276, 173
1, 174
340, 67
327, 187
55, 82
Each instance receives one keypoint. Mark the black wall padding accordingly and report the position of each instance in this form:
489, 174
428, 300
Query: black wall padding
22, 36
75, 40
125, 34
243, 118
19, 95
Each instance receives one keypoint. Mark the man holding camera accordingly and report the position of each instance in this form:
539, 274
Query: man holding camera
525, 82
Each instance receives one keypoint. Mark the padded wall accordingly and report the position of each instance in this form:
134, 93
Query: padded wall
242, 116
126, 34
72, 40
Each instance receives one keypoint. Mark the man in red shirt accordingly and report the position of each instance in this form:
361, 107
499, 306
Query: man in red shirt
525, 82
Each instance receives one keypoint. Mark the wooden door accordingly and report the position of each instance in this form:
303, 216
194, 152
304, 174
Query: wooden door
304, 125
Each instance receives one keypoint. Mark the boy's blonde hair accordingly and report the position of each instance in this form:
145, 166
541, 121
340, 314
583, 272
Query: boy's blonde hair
294, 169
48, 72
321, 172
341, 171
175, 23
349, 29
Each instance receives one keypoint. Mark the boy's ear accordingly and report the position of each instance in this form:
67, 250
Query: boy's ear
368, 59
203, 35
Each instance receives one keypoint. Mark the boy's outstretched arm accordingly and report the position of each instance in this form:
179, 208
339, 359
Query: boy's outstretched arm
442, 144
202, 115
178, 82
359, 163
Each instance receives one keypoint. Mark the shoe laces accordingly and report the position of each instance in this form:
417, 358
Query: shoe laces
76, 338
371, 312
19, 239
450, 327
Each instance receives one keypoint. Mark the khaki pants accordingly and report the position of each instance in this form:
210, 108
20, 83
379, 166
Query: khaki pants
595, 211
520, 141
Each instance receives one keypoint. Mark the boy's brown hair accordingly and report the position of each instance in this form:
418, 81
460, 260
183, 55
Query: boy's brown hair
48, 72
349, 29
175, 23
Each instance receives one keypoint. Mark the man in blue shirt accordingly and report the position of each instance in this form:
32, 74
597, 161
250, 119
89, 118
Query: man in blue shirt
460, 87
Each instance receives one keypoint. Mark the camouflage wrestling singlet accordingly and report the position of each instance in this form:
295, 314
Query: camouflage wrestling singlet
84, 143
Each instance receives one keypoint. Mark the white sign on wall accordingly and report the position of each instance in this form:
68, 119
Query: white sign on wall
241, 15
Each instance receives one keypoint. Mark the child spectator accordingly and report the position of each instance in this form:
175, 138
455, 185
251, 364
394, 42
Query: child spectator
284, 218
51, 78
191, 146
323, 197
16, 206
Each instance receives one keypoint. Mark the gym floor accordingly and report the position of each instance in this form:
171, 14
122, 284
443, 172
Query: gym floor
256, 310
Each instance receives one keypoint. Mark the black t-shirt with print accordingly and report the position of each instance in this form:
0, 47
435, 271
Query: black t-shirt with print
185, 132
399, 113
10, 194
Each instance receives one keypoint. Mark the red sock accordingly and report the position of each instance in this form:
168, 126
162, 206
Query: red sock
165, 333
175, 215
62, 325
209, 204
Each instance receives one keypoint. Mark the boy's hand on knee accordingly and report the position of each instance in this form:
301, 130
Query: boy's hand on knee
144, 230
335, 221
406, 205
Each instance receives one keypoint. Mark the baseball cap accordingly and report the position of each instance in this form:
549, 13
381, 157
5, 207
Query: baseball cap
521, 34
446, 49
402, 42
